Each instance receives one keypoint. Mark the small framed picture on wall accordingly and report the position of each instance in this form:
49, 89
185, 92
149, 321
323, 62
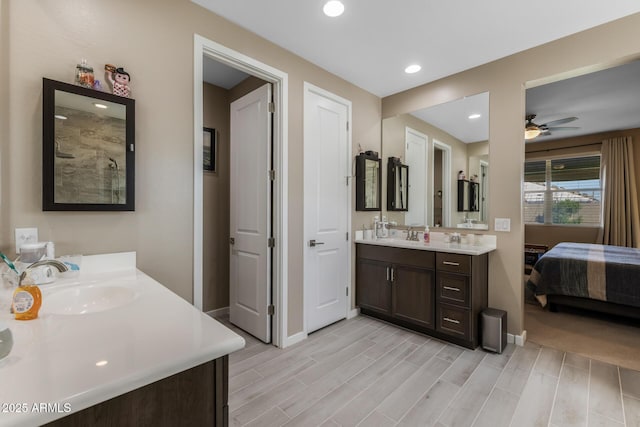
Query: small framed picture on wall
210, 149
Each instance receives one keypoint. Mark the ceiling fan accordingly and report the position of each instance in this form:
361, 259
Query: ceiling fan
532, 130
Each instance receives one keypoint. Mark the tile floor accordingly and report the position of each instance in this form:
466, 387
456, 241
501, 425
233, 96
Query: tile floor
369, 373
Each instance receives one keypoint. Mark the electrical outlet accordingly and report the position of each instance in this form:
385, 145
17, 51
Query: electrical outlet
25, 235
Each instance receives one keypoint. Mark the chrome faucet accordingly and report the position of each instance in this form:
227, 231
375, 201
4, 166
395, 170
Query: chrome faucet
52, 262
412, 235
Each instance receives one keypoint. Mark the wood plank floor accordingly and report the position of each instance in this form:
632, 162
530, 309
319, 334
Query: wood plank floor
369, 373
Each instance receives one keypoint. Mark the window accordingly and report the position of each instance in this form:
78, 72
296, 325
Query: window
563, 191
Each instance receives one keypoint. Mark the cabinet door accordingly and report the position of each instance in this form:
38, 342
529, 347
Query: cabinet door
413, 295
373, 290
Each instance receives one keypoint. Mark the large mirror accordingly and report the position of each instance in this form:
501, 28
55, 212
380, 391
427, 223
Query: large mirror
88, 149
442, 145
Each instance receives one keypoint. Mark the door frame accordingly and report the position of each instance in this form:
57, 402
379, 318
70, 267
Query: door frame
280, 80
446, 180
310, 88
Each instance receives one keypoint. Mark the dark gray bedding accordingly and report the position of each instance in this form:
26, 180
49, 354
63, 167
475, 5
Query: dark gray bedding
601, 272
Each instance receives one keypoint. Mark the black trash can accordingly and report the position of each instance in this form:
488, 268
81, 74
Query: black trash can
494, 329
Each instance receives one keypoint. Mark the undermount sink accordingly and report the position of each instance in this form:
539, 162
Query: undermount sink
474, 226
86, 299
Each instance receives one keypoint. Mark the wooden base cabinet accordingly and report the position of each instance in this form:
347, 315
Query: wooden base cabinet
438, 293
195, 397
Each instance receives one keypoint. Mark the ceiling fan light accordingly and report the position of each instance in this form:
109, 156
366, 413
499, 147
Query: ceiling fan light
531, 132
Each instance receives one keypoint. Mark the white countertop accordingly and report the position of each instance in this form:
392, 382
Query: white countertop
486, 244
54, 357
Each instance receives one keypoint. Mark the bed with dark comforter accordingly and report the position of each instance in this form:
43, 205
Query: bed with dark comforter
588, 271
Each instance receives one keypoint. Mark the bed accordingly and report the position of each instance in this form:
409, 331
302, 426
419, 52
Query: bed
594, 277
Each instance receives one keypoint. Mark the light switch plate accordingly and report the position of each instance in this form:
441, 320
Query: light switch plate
25, 235
502, 224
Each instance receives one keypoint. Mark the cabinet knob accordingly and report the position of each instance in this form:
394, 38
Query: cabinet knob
456, 264
449, 288
451, 320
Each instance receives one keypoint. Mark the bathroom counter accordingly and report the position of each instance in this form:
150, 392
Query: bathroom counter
437, 244
61, 364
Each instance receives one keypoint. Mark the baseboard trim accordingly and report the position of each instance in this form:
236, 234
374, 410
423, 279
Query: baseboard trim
353, 313
519, 340
294, 339
224, 311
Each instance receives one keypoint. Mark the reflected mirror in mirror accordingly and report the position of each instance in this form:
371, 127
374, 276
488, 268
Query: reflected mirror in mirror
397, 185
436, 143
367, 182
88, 149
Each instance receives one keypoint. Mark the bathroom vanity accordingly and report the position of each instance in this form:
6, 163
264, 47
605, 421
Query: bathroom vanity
436, 288
114, 347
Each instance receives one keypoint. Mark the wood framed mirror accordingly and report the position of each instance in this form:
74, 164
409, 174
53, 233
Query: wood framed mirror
88, 149
368, 182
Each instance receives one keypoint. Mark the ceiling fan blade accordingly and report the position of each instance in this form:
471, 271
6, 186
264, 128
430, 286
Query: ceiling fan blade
563, 128
560, 122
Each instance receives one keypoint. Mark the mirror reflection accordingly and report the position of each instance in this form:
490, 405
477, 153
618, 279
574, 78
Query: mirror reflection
88, 149
442, 145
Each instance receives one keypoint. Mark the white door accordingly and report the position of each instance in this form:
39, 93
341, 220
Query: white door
416, 159
250, 258
326, 207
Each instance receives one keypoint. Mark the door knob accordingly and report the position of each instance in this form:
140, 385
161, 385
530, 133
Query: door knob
313, 243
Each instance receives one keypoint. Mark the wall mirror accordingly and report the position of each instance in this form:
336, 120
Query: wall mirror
436, 143
368, 182
88, 149
397, 185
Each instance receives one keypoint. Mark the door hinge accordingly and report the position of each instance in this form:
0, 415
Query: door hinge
271, 242
131, 147
271, 310
347, 288
271, 107
347, 236
232, 240
347, 126
272, 175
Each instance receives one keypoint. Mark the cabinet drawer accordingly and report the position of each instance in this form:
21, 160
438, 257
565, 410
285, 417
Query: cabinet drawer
453, 289
453, 321
390, 255
455, 263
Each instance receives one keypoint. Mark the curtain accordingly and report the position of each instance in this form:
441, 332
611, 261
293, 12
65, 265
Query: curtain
621, 219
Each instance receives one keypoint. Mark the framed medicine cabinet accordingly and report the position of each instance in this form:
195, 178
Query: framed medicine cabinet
88, 149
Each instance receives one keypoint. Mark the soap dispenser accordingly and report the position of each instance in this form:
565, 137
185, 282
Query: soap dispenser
27, 299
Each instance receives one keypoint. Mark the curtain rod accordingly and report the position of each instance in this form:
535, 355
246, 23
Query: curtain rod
565, 148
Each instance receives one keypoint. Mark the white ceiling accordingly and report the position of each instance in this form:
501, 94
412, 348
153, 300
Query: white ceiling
453, 117
374, 40
221, 75
602, 101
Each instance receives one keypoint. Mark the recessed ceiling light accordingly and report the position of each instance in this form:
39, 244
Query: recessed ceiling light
475, 116
333, 8
102, 363
100, 105
412, 69
60, 117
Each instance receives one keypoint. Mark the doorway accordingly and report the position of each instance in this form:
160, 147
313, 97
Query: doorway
204, 48
441, 184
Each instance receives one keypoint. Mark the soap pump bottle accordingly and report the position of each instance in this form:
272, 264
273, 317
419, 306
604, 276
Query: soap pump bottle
427, 236
27, 299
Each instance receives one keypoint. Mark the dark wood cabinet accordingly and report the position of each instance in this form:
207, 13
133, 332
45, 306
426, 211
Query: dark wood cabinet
438, 293
195, 397
413, 295
374, 288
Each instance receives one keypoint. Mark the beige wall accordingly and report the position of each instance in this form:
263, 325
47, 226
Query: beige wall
505, 80
552, 235
153, 40
215, 239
